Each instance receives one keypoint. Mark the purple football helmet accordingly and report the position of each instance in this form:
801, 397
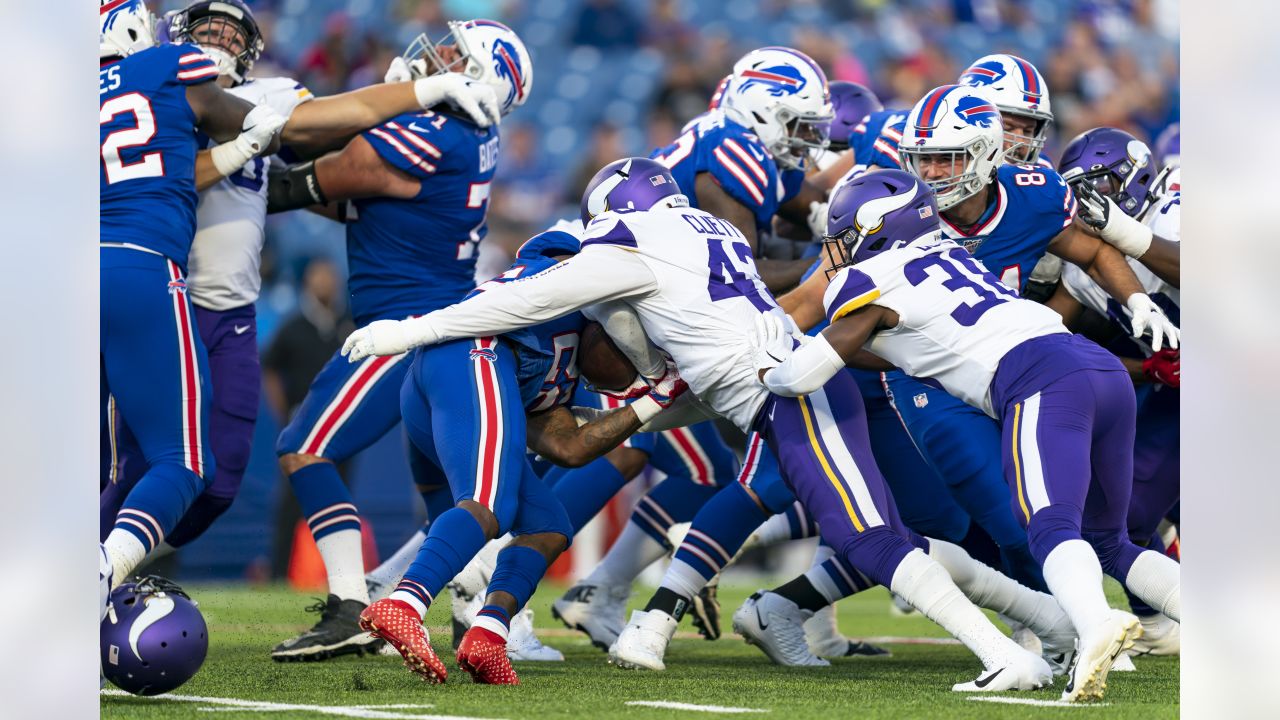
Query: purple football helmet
1168, 150
878, 211
154, 638
851, 103
1115, 163
629, 185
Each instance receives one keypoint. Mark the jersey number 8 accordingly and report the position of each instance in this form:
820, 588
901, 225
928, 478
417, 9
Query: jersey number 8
144, 128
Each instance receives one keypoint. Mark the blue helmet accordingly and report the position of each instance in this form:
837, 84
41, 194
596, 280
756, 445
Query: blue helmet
225, 30
153, 639
851, 102
1115, 163
629, 185
878, 211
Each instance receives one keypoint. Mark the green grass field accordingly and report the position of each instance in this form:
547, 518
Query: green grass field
239, 679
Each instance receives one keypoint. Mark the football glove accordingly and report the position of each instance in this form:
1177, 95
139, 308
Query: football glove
818, 218
662, 392
259, 127
1164, 367
1149, 318
386, 337
477, 99
1115, 227
773, 343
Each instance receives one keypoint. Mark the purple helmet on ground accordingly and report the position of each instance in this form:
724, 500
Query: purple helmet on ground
153, 639
1115, 163
851, 103
629, 185
1168, 150
878, 211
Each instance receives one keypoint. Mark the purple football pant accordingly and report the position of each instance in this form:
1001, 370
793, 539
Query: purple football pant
824, 455
231, 338
1068, 457
1156, 470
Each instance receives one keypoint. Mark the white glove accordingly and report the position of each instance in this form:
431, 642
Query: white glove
818, 218
382, 337
397, 71
259, 127
1116, 228
1148, 317
476, 99
773, 344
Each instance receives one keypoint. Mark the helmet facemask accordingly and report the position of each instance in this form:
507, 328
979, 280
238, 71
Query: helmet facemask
449, 54
958, 186
1021, 148
803, 135
841, 247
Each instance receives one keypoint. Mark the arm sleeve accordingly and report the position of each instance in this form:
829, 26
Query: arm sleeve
605, 273
622, 325
808, 368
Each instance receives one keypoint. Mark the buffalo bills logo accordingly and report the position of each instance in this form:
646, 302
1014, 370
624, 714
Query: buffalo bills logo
987, 73
506, 63
778, 80
177, 286
979, 112
112, 11
485, 354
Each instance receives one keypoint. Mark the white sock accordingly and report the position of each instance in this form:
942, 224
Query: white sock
682, 579
343, 558
492, 624
927, 586
393, 568
126, 552
411, 599
1156, 578
631, 553
1074, 576
990, 589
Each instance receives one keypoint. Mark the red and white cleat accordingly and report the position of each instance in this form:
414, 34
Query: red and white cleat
484, 656
399, 624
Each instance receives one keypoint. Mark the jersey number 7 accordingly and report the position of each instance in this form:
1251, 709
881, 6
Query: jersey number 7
144, 128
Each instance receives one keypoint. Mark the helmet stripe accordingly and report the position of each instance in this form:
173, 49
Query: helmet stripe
111, 6
929, 112
514, 68
1031, 84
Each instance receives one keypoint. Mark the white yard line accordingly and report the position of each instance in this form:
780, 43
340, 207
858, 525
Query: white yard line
1037, 703
370, 712
666, 705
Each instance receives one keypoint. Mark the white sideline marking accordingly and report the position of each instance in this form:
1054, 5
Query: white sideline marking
356, 711
686, 706
899, 640
1037, 703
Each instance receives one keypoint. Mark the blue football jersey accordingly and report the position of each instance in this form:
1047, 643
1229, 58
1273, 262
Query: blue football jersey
546, 354
147, 188
1032, 205
409, 257
874, 141
738, 162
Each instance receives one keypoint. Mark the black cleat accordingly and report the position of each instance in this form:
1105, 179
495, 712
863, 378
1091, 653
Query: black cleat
857, 648
337, 633
704, 612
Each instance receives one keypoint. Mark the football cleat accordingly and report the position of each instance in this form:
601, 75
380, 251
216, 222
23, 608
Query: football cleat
644, 640
1161, 635
776, 625
523, 644
483, 655
1098, 649
337, 633
596, 610
396, 622
704, 612
1026, 671
1058, 648
824, 639
1123, 663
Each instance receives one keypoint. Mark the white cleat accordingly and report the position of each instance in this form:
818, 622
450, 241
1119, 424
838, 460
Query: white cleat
1123, 663
1161, 635
644, 640
776, 625
1098, 649
1059, 647
596, 610
822, 635
1026, 671
523, 644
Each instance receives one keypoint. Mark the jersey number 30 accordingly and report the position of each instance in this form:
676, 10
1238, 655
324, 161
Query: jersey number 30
144, 128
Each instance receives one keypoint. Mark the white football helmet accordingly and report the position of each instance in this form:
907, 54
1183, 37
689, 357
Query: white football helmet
1017, 88
954, 141
781, 95
482, 50
127, 26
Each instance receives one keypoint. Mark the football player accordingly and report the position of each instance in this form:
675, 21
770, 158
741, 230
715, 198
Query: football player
224, 278
920, 302
153, 100
1021, 95
420, 188
691, 279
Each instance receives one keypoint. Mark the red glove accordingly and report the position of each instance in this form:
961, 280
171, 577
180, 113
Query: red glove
1164, 367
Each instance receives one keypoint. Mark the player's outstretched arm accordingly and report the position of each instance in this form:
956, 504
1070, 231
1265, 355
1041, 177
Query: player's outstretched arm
1164, 258
804, 304
245, 131
356, 171
557, 436
1065, 305
803, 370
1101, 215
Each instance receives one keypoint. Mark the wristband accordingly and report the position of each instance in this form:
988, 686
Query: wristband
231, 156
645, 408
1128, 236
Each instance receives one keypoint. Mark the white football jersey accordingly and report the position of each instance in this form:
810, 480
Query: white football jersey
703, 305
957, 320
1164, 218
231, 216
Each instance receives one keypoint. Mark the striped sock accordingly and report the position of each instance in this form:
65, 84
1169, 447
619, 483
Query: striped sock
413, 593
494, 619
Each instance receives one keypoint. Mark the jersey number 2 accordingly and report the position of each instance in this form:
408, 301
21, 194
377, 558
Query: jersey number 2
144, 128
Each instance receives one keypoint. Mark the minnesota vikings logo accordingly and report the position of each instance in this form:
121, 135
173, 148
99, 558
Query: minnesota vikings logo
506, 63
778, 80
485, 354
979, 112
987, 73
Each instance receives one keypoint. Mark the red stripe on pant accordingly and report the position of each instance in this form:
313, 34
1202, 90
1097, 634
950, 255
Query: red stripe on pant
752, 459
329, 424
685, 440
490, 426
190, 377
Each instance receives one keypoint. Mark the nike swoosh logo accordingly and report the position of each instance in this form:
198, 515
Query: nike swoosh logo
241, 329
763, 624
983, 682
158, 608
414, 126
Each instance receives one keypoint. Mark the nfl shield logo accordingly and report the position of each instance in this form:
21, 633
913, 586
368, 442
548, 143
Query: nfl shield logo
921, 400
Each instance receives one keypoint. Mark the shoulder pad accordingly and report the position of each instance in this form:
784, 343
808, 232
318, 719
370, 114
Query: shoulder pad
849, 290
191, 65
608, 229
